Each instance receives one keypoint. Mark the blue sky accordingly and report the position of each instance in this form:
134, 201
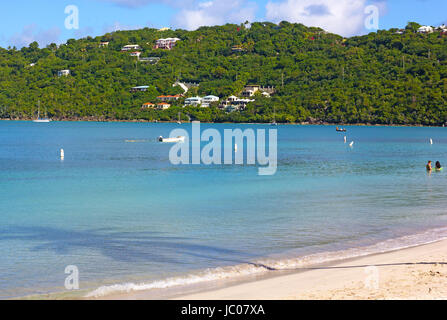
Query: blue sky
24, 21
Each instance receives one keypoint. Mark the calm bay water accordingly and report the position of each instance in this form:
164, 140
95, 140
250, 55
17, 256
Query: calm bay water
121, 212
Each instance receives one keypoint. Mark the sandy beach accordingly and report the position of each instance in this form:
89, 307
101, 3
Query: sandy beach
412, 273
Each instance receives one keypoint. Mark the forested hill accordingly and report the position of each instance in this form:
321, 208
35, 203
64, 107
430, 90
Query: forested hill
387, 77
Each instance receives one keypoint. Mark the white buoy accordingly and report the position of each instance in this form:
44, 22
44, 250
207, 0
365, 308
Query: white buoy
62, 154
351, 144
235, 148
345, 139
431, 141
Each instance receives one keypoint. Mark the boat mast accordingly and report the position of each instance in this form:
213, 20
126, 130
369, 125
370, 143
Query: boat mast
38, 109
274, 114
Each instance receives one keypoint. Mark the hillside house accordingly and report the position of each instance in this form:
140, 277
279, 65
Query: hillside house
169, 98
166, 44
425, 29
152, 60
163, 105
135, 54
194, 101
63, 73
139, 89
148, 105
250, 90
103, 44
234, 103
131, 47
206, 101
237, 49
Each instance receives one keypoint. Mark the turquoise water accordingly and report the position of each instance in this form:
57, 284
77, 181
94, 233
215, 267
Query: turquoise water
122, 213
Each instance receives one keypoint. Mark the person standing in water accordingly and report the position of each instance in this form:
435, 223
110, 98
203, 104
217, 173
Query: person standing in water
428, 166
438, 166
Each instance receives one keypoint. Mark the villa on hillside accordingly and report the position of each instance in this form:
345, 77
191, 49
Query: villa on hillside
442, 28
147, 105
152, 60
234, 103
135, 54
130, 47
63, 73
194, 101
169, 98
139, 89
104, 44
206, 101
250, 90
167, 43
425, 29
163, 105
237, 49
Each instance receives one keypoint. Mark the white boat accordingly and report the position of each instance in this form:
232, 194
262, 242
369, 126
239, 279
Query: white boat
39, 119
44, 120
171, 140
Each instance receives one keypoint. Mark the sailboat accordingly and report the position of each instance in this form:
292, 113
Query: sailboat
273, 123
39, 119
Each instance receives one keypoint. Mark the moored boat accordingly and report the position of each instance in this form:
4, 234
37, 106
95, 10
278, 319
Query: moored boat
171, 140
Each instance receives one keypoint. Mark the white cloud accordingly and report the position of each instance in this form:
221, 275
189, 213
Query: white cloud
344, 17
30, 33
216, 12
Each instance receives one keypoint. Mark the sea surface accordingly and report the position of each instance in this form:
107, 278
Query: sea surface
128, 219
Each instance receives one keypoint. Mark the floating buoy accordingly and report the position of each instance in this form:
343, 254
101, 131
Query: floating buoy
351, 144
345, 139
62, 154
431, 141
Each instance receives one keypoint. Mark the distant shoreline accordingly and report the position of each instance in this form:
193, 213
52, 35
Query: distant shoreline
245, 123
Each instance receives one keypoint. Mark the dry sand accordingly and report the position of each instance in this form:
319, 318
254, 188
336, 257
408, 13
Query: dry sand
412, 273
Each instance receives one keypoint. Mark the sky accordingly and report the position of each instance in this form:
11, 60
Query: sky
53, 21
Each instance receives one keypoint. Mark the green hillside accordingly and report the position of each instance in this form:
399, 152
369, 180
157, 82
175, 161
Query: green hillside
380, 78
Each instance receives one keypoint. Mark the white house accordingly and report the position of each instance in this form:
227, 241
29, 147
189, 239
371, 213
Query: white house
135, 54
130, 47
425, 29
194, 101
206, 101
152, 60
104, 44
442, 27
167, 43
63, 73
139, 89
266, 94
234, 103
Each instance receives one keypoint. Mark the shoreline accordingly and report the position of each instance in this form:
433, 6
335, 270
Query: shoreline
246, 123
418, 272
259, 279
418, 260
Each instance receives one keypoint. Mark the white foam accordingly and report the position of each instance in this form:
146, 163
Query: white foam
260, 266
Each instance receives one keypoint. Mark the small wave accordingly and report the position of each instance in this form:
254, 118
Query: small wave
136, 141
264, 266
